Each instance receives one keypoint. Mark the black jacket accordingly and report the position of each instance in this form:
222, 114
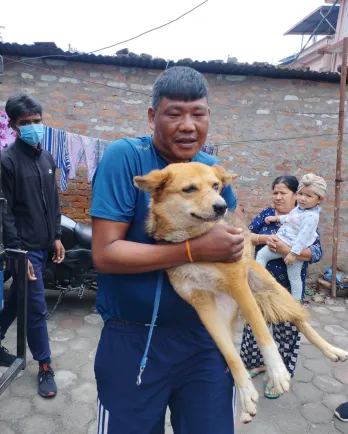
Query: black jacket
32, 219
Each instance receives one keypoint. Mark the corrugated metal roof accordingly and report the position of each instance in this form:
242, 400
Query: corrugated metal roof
146, 61
308, 24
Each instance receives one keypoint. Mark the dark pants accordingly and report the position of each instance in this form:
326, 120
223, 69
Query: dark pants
185, 372
36, 321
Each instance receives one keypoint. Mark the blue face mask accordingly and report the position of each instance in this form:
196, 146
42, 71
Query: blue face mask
32, 134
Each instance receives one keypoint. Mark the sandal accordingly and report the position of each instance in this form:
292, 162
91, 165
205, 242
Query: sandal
254, 373
270, 395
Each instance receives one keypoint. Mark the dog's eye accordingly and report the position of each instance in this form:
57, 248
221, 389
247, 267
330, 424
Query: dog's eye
190, 189
216, 186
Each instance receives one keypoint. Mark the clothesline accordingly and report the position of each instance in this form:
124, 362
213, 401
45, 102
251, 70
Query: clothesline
69, 150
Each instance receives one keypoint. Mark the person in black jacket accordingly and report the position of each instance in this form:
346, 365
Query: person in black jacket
32, 223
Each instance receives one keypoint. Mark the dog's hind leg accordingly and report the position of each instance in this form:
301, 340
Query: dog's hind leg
333, 353
216, 318
241, 293
277, 305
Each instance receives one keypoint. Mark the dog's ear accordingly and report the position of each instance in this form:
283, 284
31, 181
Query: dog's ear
223, 175
152, 182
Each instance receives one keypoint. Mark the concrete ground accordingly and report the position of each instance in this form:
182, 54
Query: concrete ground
318, 387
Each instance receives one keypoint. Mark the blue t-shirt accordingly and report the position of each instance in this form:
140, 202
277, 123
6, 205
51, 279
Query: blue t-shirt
131, 296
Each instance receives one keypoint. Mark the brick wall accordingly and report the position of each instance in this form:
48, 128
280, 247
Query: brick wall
243, 109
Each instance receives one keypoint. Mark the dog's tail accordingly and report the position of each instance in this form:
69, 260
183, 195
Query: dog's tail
275, 302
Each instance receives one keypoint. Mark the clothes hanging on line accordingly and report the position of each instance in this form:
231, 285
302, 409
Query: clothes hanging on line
208, 148
100, 148
82, 152
76, 153
78, 150
7, 135
54, 141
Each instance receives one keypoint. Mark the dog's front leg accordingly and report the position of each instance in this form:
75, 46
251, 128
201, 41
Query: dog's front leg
204, 303
241, 292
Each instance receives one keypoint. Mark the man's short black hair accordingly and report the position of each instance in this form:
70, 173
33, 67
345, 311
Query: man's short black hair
179, 83
22, 104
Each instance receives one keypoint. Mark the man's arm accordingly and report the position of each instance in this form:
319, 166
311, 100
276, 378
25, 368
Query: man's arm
113, 254
11, 238
58, 229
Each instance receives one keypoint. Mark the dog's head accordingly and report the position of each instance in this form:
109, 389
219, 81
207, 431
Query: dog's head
185, 197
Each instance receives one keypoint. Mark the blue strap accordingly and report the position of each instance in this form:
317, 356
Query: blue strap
152, 325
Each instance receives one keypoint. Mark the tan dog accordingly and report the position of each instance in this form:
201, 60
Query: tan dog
186, 203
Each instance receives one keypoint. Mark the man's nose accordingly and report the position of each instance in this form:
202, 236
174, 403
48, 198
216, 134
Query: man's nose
187, 124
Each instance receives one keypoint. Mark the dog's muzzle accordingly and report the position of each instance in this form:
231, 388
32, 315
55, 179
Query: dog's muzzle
219, 208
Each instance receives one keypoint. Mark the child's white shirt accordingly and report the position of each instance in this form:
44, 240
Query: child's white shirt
299, 228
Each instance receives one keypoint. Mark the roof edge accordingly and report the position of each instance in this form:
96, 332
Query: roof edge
146, 61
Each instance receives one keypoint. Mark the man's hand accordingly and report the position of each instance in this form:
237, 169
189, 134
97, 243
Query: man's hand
31, 272
271, 219
290, 258
222, 244
59, 252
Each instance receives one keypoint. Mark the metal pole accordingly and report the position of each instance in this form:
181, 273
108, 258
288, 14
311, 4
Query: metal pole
338, 178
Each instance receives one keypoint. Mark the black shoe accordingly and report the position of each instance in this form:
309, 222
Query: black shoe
46, 385
6, 359
342, 412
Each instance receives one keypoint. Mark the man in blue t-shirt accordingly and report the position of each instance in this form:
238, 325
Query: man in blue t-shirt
185, 370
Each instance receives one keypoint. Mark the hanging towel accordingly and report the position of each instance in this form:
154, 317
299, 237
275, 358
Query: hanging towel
76, 153
208, 148
7, 135
89, 147
100, 148
54, 141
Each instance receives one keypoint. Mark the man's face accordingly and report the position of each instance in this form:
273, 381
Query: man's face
25, 120
180, 128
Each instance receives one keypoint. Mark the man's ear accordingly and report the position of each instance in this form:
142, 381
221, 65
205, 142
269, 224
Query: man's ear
13, 126
151, 118
154, 181
223, 175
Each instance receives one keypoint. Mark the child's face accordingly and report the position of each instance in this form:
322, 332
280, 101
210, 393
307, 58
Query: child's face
307, 199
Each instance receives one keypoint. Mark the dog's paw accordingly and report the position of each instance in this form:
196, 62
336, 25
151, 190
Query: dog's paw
335, 354
277, 372
248, 398
280, 378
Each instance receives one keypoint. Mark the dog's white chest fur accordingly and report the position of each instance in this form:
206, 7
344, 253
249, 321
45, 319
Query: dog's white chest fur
202, 277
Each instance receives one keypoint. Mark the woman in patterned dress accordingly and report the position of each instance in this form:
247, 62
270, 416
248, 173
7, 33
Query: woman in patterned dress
286, 335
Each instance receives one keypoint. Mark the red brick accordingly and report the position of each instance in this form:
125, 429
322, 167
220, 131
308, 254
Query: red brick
67, 210
81, 186
327, 144
56, 124
81, 111
108, 113
80, 126
80, 215
81, 204
134, 116
56, 109
82, 96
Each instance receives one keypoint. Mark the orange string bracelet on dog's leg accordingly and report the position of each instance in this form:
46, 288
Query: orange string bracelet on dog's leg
188, 248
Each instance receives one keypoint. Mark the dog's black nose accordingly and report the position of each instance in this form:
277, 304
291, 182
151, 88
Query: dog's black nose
219, 208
